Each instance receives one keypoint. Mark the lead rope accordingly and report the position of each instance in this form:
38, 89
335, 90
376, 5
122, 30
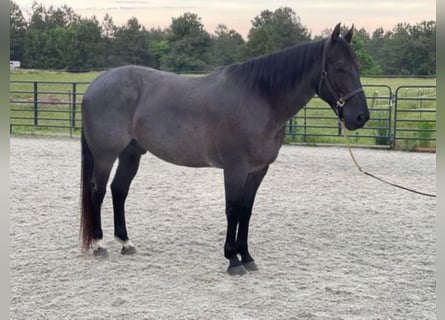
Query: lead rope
373, 176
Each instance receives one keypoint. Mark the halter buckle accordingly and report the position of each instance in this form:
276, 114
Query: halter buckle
341, 102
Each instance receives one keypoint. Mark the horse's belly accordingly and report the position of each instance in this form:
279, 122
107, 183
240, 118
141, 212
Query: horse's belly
181, 144
180, 155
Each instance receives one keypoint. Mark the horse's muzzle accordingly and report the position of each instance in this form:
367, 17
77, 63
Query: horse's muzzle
358, 121
361, 119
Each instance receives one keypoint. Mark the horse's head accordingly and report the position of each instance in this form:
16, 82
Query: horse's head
340, 84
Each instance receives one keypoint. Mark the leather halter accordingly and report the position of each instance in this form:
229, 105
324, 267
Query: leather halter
340, 100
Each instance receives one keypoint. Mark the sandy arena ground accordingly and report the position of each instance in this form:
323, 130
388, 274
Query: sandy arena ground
330, 242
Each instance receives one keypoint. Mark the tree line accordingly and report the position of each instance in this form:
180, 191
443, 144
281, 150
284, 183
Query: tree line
58, 38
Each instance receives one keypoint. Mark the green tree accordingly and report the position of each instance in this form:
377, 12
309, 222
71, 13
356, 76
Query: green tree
258, 43
189, 45
63, 16
86, 46
17, 32
276, 30
58, 48
60, 38
406, 50
108, 29
360, 44
33, 53
422, 50
131, 45
377, 48
37, 21
367, 63
400, 58
158, 45
226, 47
48, 38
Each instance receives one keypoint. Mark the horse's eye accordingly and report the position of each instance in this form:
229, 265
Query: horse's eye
339, 67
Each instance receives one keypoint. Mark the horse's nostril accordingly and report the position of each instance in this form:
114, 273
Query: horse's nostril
362, 118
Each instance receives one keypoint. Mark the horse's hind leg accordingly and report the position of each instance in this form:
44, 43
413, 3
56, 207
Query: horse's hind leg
126, 171
100, 177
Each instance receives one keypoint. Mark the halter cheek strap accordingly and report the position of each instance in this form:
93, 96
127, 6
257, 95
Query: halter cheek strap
339, 100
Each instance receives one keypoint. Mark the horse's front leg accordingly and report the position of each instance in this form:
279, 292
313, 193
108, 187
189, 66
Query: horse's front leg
250, 189
234, 181
240, 188
233, 213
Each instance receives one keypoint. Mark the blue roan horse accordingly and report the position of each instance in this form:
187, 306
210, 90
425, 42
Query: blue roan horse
233, 119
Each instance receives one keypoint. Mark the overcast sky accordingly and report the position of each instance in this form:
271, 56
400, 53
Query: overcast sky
316, 15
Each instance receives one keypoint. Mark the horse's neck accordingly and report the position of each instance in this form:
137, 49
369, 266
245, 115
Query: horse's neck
289, 103
286, 79
290, 99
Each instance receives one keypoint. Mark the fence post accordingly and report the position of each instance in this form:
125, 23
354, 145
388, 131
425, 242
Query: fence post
36, 104
395, 103
73, 108
391, 140
304, 123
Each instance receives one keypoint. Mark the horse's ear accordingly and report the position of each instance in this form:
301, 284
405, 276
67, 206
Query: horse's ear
348, 36
336, 33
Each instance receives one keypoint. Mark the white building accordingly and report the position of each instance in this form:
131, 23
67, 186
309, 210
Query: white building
14, 65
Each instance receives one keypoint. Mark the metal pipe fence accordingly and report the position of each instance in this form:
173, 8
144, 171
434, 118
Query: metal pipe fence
415, 117
405, 119
45, 106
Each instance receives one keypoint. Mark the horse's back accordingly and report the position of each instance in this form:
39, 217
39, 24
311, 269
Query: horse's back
127, 86
121, 86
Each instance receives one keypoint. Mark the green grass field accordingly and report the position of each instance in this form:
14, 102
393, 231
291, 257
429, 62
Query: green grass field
416, 121
42, 75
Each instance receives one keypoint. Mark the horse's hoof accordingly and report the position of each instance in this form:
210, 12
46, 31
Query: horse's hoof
250, 266
101, 252
128, 250
237, 270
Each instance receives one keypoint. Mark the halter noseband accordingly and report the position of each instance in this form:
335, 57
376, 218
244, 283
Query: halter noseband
340, 100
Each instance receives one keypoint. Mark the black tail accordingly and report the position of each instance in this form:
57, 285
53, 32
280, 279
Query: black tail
87, 165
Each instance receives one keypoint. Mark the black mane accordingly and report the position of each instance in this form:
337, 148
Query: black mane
278, 72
